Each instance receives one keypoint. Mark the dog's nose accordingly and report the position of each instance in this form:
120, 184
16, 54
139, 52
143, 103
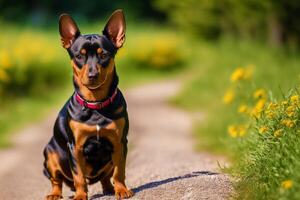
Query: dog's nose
93, 73
93, 76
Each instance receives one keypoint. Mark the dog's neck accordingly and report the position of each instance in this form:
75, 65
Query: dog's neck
98, 94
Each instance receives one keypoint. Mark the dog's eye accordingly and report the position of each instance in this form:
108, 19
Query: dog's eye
78, 56
103, 56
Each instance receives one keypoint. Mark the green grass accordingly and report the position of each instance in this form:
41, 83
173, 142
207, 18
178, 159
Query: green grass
207, 82
268, 156
260, 164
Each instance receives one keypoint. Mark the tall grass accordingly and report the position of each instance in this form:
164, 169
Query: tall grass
209, 80
268, 155
232, 83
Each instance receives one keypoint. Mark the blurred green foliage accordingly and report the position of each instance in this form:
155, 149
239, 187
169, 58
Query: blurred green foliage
160, 51
43, 12
208, 80
31, 64
275, 21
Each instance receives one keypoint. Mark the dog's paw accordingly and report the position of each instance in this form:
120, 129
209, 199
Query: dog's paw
53, 197
121, 192
80, 196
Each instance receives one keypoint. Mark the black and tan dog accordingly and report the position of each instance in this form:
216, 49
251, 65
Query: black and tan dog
89, 142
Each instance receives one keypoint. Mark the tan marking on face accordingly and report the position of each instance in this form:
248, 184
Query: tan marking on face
99, 51
83, 51
104, 81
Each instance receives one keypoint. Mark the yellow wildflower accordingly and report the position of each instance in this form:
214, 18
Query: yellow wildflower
243, 108
255, 113
284, 103
294, 99
228, 97
263, 129
232, 131
290, 111
238, 74
278, 133
272, 106
287, 184
237, 131
242, 130
260, 105
5, 61
4, 76
259, 94
291, 124
288, 123
270, 114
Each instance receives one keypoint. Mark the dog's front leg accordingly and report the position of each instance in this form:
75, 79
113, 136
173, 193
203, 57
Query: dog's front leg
121, 190
78, 164
79, 171
119, 160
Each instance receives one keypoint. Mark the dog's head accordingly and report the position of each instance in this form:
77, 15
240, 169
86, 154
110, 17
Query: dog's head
93, 54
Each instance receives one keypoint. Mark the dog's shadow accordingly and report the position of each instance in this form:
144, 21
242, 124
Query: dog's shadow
154, 184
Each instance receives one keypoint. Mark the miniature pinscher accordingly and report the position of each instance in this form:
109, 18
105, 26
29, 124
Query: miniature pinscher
89, 143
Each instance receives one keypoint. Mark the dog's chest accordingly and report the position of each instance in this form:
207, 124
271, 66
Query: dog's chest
100, 117
88, 116
97, 153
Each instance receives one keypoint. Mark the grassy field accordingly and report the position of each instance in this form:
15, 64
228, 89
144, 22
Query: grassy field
36, 75
232, 84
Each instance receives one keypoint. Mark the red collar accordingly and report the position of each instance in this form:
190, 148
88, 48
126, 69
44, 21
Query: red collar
95, 105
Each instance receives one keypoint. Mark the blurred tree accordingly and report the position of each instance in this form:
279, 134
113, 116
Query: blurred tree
197, 16
278, 21
40, 11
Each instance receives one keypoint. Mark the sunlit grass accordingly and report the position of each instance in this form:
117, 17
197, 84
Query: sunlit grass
264, 152
210, 78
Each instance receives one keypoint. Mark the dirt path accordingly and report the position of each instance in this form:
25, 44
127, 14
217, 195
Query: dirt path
161, 162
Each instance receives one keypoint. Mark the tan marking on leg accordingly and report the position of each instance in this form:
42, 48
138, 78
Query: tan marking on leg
119, 110
119, 160
54, 170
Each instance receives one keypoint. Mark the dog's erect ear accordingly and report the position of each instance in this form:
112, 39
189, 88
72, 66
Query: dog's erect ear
115, 28
68, 30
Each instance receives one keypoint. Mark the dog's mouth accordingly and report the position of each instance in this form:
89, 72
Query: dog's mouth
95, 86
